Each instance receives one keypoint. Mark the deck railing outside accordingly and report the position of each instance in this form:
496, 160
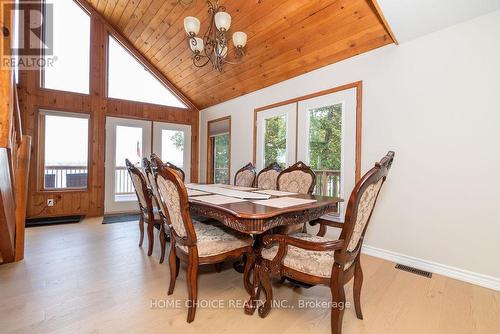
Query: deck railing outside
123, 183
60, 177
57, 177
327, 183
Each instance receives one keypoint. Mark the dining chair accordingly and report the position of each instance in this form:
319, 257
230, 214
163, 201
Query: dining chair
245, 176
266, 179
298, 178
193, 242
147, 213
319, 260
163, 235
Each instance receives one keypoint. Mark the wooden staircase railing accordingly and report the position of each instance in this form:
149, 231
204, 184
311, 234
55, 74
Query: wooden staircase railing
15, 150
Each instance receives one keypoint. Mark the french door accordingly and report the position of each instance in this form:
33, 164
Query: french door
327, 142
134, 139
319, 131
276, 136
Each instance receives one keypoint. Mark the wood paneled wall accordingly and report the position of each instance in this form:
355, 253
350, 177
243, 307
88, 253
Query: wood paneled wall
32, 97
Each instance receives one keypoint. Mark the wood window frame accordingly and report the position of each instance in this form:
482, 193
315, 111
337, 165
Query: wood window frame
210, 148
359, 118
40, 171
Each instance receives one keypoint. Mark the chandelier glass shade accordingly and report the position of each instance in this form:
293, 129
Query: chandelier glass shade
213, 47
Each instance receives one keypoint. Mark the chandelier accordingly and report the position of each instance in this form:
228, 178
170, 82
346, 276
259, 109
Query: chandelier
213, 47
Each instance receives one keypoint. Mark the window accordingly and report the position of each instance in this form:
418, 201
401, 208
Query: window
219, 150
15, 40
325, 147
275, 141
64, 143
221, 158
322, 132
71, 39
128, 79
276, 136
172, 146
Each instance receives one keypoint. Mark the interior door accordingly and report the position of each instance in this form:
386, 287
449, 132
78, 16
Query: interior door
276, 133
326, 141
125, 139
172, 142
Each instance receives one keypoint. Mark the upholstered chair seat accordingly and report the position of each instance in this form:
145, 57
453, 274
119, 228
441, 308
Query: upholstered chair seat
215, 239
317, 263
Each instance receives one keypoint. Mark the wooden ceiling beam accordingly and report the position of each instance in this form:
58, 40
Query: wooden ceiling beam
376, 8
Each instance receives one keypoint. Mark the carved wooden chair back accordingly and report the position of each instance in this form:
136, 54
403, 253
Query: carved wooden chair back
298, 178
267, 178
245, 176
141, 187
156, 161
179, 171
174, 205
360, 208
148, 171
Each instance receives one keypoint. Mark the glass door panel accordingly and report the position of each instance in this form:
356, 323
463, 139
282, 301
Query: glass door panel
172, 142
125, 139
276, 133
327, 142
221, 158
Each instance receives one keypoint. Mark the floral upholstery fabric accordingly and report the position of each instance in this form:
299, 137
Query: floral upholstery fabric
245, 178
169, 195
151, 180
137, 182
267, 180
365, 207
317, 263
295, 182
214, 239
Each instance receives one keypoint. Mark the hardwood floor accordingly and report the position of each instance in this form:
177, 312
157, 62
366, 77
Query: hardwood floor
93, 278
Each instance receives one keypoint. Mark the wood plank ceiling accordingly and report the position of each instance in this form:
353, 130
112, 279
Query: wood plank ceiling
286, 38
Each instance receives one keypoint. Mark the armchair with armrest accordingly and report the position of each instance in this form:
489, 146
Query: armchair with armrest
315, 259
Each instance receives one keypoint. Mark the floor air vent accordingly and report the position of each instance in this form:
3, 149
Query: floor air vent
414, 270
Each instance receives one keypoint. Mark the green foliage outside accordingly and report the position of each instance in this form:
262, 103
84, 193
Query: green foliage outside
325, 137
221, 160
178, 140
275, 141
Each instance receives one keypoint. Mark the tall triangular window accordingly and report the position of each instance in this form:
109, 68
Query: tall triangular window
129, 79
67, 65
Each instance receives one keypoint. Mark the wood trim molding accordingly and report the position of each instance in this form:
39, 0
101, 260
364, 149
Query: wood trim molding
209, 177
359, 117
381, 16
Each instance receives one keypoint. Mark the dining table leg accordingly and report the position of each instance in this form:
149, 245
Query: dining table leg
255, 285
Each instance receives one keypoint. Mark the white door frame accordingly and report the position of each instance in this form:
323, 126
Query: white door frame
348, 99
110, 205
289, 110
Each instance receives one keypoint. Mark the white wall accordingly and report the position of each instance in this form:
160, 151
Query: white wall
436, 102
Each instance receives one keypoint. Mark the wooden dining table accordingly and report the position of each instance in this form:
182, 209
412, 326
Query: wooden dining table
250, 217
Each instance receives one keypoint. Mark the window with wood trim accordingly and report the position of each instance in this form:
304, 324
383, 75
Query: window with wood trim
129, 79
64, 150
68, 66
